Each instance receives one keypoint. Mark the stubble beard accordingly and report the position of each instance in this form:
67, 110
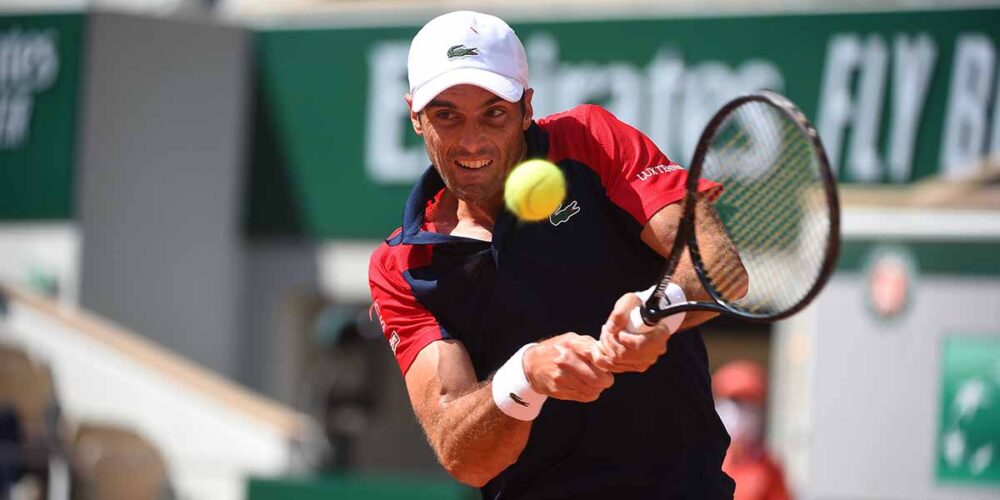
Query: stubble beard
483, 194
477, 194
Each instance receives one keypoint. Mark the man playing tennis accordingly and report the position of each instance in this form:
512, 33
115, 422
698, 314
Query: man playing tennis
495, 323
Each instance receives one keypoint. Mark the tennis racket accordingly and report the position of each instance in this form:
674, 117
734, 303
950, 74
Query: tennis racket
778, 206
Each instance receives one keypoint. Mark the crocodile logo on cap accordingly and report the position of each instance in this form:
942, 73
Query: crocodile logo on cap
462, 51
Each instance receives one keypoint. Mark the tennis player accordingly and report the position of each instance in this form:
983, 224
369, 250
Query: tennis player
525, 385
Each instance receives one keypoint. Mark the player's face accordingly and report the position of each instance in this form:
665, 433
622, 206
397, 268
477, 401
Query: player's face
474, 138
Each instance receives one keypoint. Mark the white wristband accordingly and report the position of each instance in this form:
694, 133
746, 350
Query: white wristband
511, 391
674, 295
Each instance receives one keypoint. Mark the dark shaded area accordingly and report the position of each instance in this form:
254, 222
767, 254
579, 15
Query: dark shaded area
270, 207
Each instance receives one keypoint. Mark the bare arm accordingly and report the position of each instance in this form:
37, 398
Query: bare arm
473, 440
623, 351
471, 437
716, 250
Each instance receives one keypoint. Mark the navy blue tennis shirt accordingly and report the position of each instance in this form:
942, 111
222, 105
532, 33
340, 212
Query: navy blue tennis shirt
652, 435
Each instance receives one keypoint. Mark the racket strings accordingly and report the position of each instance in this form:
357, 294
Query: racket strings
779, 225
727, 278
788, 237
772, 208
782, 230
742, 227
772, 218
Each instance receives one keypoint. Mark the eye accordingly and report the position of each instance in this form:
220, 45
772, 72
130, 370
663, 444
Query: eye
496, 112
444, 114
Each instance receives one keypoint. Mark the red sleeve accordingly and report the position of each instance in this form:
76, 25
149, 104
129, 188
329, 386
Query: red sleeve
407, 325
636, 175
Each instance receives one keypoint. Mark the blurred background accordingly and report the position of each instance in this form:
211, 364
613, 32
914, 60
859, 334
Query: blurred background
190, 189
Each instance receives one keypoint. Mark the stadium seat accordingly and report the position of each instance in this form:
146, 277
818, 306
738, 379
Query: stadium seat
28, 387
114, 463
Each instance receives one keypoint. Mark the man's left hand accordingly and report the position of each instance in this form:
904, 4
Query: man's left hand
620, 350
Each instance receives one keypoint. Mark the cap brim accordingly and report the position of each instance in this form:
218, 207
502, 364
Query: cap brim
507, 89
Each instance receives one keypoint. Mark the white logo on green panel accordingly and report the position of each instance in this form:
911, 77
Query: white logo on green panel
29, 64
968, 441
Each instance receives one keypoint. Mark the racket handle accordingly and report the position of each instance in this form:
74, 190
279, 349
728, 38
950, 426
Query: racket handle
635, 322
674, 295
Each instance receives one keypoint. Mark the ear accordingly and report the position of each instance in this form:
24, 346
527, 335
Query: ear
529, 112
414, 117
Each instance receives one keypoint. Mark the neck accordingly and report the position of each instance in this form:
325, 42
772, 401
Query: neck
467, 219
482, 213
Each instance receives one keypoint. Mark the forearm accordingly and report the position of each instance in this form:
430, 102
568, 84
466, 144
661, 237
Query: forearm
473, 439
719, 257
687, 279
475, 433
731, 286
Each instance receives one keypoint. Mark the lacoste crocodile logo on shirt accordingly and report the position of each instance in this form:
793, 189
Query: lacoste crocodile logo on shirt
564, 213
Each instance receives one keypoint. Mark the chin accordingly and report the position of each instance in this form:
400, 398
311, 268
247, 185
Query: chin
474, 196
468, 197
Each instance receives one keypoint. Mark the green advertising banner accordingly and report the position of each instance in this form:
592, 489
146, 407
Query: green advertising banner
976, 259
896, 96
969, 430
40, 59
357, 487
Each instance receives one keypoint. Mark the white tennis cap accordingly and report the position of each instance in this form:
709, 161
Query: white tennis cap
466, 48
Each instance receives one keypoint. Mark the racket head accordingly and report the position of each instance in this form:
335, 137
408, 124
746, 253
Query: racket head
787, 156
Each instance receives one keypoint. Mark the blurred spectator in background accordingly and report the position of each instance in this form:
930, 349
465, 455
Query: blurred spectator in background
740, 389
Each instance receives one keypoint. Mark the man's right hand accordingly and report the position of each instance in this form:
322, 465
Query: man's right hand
563, 368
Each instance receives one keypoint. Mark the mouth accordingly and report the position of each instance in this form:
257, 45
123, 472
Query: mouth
473, 164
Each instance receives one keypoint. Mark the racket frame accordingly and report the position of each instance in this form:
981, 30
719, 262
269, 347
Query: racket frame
686, 236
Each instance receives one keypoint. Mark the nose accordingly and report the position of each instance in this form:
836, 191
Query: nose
474, 140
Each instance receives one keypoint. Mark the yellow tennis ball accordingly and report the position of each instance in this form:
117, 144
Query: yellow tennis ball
534, 190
